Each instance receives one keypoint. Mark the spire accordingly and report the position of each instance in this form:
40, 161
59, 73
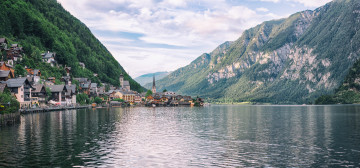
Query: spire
154, 80
154, 86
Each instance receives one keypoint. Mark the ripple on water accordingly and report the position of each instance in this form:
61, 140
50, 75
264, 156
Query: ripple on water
216, 136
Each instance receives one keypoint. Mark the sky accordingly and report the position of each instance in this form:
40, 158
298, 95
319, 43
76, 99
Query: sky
147, 36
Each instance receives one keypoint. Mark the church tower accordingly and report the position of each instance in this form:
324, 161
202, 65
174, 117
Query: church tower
154, 87
121, 80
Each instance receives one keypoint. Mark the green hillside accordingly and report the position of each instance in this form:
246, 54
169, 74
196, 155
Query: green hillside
348, 92
288, 61
43, 25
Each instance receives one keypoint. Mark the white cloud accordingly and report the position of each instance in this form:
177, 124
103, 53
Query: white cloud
262, 9
169, 22
275, 1
312, 3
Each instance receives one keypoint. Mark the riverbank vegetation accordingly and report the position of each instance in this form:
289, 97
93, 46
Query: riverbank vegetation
8, 104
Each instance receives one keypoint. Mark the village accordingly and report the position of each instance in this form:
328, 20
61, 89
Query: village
33, 91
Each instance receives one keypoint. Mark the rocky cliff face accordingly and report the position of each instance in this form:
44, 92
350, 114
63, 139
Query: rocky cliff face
292, 60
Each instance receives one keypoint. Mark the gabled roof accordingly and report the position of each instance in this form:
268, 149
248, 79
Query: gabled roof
48, 55
93, 85
71, 87
57, 88
81, 80
4, 74
85, 85
16, 82
38, 88
126, 83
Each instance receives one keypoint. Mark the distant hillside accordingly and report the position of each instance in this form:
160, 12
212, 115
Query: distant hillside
287, 61
148, 78
44, 25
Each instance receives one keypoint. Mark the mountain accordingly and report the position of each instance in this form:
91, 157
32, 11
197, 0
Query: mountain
148, 78
287, 61
44, 25
348, 92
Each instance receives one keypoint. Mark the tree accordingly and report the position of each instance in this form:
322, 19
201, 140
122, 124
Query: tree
148, 93
82, 99
107, 87
164, 90
8, 103
118, 99
19, 70
98, 100
48, 93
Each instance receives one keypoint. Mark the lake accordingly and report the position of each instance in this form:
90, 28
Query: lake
214, 136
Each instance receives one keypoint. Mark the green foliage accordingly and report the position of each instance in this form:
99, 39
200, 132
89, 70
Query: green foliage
118, 99
82, 99
20, 70
148, 93
98, 100
349, 90
7, 99
43, 25
164, 90
48, 93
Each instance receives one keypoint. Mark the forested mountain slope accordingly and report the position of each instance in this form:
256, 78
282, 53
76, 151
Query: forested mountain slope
43, 25
292, 60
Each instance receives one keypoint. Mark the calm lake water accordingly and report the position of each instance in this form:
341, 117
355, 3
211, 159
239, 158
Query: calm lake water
215, 136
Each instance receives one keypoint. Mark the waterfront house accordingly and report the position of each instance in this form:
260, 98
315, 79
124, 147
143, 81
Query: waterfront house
93, 90
3, 44
5, 75
114, 94
21, 89
7, 67
186, 100
137, 98
128, 96
85, 88
70, 95
49, 57
39, 94
101, 91
122, 94
58, 94
84, 85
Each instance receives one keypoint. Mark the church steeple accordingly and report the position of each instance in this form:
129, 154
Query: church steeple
153, 87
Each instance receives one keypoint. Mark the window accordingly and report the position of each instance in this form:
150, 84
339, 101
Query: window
22, 96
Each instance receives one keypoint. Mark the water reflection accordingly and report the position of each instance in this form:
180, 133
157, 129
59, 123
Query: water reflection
216, 136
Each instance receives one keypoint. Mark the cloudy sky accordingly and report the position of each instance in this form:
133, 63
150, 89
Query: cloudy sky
148, 36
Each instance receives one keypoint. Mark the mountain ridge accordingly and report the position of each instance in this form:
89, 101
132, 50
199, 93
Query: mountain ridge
287, 61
